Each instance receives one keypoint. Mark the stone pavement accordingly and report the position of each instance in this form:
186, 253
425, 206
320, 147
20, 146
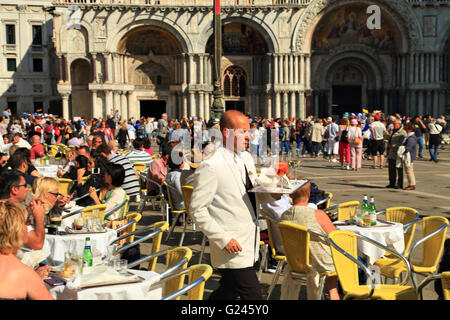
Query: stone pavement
430, 198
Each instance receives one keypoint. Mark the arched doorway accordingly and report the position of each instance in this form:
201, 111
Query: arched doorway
349, 62
151, 67
245, 70
81, 97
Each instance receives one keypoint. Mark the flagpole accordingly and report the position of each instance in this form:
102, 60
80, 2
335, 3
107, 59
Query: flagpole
217, 108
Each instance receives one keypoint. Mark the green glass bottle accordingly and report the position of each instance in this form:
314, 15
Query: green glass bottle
372, 211
87, 253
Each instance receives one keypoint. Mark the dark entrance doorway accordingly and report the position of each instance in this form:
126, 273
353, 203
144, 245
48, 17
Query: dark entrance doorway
235, 105
152, 108
346, 99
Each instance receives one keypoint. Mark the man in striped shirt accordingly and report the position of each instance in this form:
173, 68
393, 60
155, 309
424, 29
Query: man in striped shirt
138, 155
131, 182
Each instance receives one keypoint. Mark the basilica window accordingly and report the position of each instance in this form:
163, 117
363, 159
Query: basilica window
10, 34
37, 35
234, 82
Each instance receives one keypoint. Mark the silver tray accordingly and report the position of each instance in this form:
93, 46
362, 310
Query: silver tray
296, 184
82, 231
135, 279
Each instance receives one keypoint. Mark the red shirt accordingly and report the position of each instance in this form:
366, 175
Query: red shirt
37, 151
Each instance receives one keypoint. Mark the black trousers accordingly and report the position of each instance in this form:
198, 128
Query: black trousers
395, 174
235, 283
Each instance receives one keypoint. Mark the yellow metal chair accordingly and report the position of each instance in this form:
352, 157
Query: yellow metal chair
53, 152
434, 231
279, 257
140, 167
155, 156
198, 275
344, 251
174, 257
132, 219
154, 232
177, 213
345, 211
296, 240
83, 179
123, 207
87, 212
407, 217
64, 186
404, 216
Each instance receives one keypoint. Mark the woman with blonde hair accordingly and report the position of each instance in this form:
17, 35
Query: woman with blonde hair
17, 281
47, 190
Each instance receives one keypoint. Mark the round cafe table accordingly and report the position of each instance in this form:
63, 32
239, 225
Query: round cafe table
60, 244
142, 290
389, 236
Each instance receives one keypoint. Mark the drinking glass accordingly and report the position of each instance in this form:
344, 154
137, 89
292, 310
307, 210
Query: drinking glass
111, 252
120, 265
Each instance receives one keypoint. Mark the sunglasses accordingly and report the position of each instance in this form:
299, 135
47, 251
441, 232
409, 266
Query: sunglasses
21, 185
56, 194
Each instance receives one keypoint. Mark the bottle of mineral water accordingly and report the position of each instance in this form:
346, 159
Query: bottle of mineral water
87, 254
372, 211
364, 206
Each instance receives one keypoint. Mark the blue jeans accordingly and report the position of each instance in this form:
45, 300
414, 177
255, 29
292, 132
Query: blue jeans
285, 145
420, 143
306, 146
433, 153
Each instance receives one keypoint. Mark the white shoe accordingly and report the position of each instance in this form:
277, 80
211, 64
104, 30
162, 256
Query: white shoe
334, 160
348, 168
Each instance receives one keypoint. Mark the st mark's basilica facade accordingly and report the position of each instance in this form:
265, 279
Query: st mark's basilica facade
281, 58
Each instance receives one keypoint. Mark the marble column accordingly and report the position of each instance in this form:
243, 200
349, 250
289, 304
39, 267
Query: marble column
435, 98
109, 102
286, 69
201, 105
308, 72
316, 104
200, 71
185, 76
301, 105
192, 111
123, 102
116, 99
125, 68
268, 103
65, 106
66, 70
420, 104
291, 69
296, 70
109, 67
292, 113
413, 104
275, 69
185, 105
285, 113
277, 105
94, 67
61, 69
432, 58
97, 112
206, 106
281, 69
385, 102
130, 105
191, 69
422, 67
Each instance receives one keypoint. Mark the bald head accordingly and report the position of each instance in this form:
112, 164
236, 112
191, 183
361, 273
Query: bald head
234, 127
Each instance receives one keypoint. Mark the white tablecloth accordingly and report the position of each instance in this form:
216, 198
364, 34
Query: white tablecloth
390, 236
59, 244
131, 291
48, 171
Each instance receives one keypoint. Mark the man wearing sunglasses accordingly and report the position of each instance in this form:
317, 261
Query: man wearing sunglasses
14, 188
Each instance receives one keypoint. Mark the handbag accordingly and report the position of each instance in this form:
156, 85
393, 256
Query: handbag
357, 140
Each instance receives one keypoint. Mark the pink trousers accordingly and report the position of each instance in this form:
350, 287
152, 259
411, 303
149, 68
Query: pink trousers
356, 155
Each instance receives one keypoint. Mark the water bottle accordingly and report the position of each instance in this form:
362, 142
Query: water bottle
372, 212
87, 254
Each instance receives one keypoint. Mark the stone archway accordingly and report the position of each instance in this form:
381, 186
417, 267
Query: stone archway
81, 97
398, 11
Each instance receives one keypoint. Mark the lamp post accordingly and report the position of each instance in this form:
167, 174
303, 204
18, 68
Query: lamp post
217, 109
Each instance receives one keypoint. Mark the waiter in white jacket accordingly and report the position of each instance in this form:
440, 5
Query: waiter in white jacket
225, 211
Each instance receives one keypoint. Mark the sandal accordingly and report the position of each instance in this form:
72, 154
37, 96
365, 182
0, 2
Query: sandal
373, 167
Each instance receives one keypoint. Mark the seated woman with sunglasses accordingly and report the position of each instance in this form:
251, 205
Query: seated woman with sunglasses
112, 194
17, 281
47, 190
81, 162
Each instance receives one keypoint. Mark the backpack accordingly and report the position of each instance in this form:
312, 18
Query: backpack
163, 133
344, 137
316, 194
